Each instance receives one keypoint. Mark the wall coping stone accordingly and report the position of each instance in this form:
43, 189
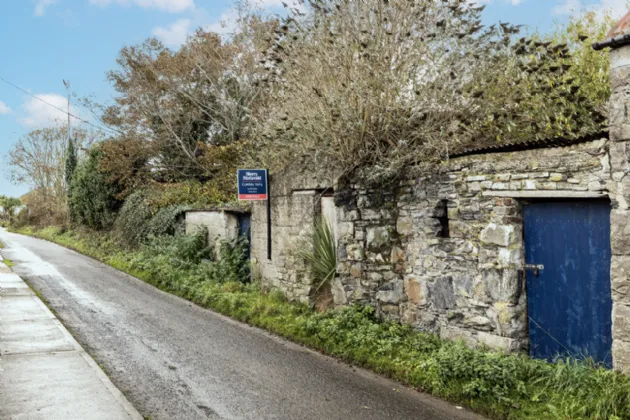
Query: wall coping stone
546, 194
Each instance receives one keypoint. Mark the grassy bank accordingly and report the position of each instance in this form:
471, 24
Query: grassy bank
500, 386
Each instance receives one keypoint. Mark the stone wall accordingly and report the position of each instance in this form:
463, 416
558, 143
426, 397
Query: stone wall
221, 225
444, 252
620, 195
295, 206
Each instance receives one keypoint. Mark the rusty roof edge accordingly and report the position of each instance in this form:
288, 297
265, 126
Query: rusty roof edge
618, 36
530, 145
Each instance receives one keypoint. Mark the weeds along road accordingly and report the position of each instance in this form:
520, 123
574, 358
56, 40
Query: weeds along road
174, 360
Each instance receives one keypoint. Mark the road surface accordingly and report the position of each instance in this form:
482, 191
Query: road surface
175, 360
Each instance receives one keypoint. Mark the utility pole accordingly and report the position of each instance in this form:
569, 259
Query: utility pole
67, 85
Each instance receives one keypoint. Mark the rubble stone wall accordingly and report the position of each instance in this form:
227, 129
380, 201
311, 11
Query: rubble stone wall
295, 207
442, 252
620, 195
445, 252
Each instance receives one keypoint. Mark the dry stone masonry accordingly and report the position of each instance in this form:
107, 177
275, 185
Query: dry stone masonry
445, 252
620, 197
442, 252
295, 205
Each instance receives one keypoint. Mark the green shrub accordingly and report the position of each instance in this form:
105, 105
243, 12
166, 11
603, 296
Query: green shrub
188, 249
93, 202
167, 221
184, 262
141, 217
131, 226
498, 385
232, 265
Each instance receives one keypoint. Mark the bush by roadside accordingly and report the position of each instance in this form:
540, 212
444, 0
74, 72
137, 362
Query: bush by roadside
498, 385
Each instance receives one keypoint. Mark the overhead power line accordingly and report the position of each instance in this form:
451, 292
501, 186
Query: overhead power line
57, 108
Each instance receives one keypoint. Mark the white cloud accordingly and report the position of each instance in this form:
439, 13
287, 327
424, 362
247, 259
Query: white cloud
4, 108
171, 6
569, 7
39, 114
481, 2
175, 34
42, 5
618, 8
226, 24
272, 3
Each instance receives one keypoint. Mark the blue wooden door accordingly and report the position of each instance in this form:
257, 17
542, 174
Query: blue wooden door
569, 301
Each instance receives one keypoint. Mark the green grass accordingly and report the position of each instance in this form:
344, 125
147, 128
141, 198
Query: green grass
497, 385
8, 263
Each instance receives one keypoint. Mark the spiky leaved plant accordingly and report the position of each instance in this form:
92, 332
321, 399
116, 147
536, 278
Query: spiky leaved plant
320, 255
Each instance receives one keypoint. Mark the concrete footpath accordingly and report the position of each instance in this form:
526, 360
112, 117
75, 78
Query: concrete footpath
44, 372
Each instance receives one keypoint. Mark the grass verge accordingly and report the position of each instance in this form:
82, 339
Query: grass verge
497, 385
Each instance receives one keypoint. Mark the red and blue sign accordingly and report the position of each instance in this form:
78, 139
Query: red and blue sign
252, 184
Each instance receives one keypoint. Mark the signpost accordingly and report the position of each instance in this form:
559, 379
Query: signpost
253, 185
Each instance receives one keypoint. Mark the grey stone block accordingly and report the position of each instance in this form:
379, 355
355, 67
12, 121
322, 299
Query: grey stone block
441, 293
620, 232
497, 234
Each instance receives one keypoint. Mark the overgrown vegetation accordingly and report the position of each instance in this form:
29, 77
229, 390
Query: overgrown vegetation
93, 203
501, 386
38, 159
8, 207
355, 85
385, 85
320, 255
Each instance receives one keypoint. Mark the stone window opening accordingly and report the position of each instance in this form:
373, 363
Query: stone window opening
441, 215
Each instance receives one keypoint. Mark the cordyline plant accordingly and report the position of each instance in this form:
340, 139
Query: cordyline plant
320, 254
388, 84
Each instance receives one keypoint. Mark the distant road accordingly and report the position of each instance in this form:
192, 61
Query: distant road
174, 360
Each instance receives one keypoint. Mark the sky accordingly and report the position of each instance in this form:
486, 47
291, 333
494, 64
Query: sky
43, 42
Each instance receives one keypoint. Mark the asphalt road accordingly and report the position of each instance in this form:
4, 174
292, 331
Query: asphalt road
174, 360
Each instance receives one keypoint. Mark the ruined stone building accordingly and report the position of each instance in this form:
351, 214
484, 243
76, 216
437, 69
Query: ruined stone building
445, 252
520, 247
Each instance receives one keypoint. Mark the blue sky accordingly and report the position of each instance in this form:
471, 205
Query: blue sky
46, 41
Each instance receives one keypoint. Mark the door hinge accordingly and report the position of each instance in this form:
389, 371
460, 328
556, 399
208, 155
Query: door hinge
535, 268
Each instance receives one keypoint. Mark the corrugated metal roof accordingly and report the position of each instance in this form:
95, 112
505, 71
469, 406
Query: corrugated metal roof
526, 145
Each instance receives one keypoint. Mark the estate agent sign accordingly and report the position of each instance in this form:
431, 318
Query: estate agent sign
252, 184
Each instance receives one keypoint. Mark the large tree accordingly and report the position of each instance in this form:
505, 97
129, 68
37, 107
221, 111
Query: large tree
174, 106
388, 84
38, 160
